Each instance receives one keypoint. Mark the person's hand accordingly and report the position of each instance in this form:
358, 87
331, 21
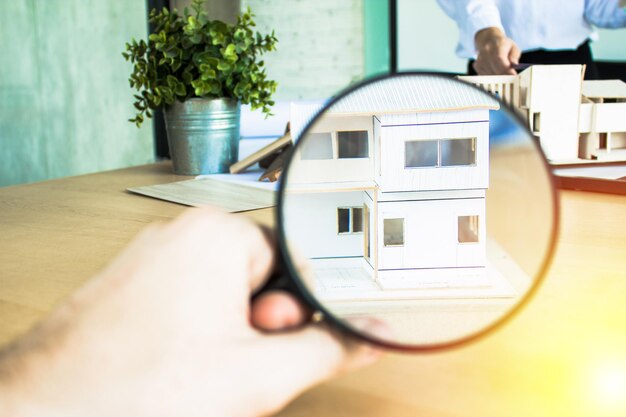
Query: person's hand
168, 329
496, 53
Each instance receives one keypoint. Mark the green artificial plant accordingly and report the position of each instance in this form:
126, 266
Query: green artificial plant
190, 56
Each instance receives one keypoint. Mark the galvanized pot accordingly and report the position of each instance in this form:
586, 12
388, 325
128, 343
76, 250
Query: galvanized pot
203, 135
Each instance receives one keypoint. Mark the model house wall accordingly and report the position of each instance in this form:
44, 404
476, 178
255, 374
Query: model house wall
431, 234
406, 188
552, 102
340, 149
452, 152
602, 122
328, 223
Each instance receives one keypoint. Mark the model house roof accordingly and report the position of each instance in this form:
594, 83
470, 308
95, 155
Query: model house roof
398, 95
413, 94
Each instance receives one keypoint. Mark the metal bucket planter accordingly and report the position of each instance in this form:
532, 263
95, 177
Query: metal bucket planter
203, 135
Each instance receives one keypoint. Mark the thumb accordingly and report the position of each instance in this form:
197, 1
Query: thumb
514, 54
312, 355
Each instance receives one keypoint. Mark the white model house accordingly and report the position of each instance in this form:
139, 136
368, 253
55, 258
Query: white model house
575, 120
393, 179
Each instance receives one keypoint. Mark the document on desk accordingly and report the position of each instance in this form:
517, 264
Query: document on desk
231, 194
603, 179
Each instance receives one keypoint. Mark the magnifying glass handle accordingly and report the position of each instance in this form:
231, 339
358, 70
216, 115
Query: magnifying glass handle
520, 67
276, 282
279, 280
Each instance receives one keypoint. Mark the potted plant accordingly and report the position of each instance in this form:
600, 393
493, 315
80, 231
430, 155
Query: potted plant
200, 71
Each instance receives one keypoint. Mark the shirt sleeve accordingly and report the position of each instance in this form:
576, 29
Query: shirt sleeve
605, 13
472, 16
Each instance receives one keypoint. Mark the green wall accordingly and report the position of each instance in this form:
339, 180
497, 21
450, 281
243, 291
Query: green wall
64, 94
611, 45
376, 34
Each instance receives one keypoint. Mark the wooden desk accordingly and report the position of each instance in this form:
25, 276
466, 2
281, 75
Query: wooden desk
549, 361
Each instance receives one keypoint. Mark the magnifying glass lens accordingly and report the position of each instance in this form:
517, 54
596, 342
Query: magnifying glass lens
417, 211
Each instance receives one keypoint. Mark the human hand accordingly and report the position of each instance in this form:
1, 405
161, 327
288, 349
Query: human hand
168, 329
496, 53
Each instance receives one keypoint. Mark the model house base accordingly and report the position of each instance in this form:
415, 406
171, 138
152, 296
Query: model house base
354, 279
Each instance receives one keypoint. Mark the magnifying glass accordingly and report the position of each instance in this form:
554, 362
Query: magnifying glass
416, 211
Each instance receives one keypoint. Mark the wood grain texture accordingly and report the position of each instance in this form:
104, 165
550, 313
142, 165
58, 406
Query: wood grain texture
540, 364
56, 234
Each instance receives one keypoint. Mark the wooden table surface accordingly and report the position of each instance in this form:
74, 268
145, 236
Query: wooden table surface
564, 355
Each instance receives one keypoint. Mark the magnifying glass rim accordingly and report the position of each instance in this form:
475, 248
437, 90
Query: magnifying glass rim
316, 305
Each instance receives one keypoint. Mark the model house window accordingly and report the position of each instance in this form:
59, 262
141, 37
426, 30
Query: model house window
536, 122
317, 146
468, 229
394, 232
440, 153
349, 220
421, 153
458, 152
352, 144
366, 231
357, 220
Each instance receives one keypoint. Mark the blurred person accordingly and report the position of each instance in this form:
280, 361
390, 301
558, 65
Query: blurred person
497, 35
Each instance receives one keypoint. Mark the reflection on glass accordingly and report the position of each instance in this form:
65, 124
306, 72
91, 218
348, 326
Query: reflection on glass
468, 229
458, 152
343, 220
420, 153
349, 220
394, 232
352, 144
357, 219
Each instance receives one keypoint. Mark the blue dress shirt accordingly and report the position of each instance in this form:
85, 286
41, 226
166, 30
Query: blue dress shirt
533, 24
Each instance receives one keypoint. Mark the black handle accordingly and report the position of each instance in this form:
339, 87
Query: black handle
280, 280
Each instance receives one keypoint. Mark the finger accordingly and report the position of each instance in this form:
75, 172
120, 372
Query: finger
228, 243
296, 361
515, 54
312, 355
277, 310
478, 67
265, 270
484, 64
501, 64
372, 327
